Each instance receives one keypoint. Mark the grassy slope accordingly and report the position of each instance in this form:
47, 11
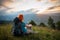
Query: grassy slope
44, 34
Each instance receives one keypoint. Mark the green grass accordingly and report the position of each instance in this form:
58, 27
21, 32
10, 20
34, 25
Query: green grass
44, 33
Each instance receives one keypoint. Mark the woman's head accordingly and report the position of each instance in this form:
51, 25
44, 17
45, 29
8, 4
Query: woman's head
21, 17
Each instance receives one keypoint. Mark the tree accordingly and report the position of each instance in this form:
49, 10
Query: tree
42, 24
58, 25
51, 23
32, 22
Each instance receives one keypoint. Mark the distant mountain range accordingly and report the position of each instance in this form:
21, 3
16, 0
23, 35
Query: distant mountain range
29, 15
44, 17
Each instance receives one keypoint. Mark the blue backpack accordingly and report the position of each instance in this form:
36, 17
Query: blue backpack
16, 28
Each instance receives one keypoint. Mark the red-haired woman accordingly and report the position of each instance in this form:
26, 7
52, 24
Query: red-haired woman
19, 26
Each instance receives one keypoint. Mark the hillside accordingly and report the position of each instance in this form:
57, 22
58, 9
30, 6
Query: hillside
44, 33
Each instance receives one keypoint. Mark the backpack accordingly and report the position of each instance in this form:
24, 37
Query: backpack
17, 28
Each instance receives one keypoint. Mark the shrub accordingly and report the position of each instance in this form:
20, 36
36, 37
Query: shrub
51, 23
32, 22
58, 25
42, 24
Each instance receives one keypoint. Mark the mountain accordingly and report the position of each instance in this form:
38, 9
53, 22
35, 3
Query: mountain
31, 15
44, 17
28, 15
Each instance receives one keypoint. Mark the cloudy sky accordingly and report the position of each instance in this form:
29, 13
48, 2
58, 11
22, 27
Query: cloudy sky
18, 5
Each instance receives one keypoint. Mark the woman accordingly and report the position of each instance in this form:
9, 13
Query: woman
22, 24
19, 26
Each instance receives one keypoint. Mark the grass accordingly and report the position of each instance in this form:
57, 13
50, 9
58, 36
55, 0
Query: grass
44, 33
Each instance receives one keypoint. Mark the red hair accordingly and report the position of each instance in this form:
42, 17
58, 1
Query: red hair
21, 17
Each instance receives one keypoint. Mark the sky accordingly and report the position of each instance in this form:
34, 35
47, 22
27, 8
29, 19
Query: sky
8, 6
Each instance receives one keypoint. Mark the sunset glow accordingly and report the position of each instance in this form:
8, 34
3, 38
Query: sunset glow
50, 10
41, 5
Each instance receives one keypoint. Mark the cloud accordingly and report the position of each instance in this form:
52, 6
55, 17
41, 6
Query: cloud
38, 0
50, 10
3, 2
54, 7
53, 0
18, 5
